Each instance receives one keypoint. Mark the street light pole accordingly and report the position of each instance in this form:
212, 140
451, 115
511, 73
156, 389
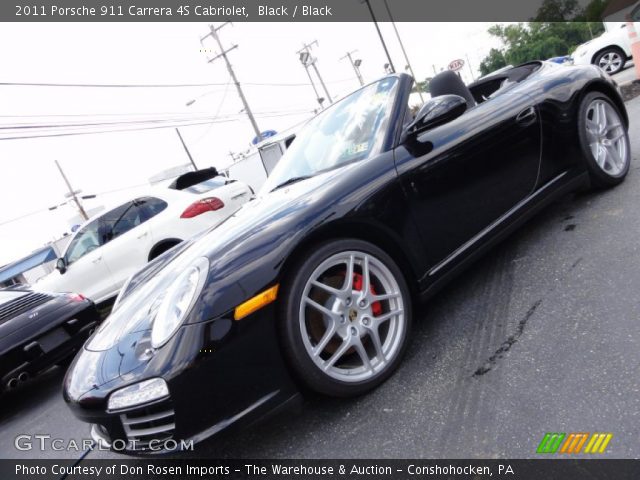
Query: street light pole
315, 89
384, 45
355, 64
307, 60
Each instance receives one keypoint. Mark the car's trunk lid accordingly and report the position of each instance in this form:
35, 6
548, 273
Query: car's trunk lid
14, 303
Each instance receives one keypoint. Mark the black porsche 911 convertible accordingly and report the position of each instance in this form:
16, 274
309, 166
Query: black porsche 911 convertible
310, 285
38, 330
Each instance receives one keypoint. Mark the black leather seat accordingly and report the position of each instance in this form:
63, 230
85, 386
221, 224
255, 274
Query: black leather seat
449, 83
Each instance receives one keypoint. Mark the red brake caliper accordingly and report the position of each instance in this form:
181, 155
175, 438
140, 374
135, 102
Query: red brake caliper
376, 308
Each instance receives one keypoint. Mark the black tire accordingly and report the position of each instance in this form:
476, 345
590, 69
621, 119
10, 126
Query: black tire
611, 51
600, 178
290, 328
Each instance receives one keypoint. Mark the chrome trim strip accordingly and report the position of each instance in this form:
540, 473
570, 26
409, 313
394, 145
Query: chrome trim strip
484, 232
147, 418
225, 423
143, 432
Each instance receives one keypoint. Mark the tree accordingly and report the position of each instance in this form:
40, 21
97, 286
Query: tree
557, 29
422, 86
492, 62
557, 11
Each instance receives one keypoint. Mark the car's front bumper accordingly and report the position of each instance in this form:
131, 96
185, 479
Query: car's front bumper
220, 373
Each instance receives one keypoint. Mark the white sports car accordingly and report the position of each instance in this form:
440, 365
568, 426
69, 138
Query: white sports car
110, 247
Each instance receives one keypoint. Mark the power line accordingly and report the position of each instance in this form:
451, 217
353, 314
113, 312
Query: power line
224, 96
141, 121
121, 130
56, 131
26, 215
157, 85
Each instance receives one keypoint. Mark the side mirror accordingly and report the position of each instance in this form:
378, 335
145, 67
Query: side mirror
61, 265
437, 111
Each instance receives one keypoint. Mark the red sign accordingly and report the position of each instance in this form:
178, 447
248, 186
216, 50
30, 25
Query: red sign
456, 65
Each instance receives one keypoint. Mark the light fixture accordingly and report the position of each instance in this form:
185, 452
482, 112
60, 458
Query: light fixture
138, 394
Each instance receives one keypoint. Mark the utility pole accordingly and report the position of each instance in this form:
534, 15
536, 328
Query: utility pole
223, 53
184, 145
309, 61
355, 64
73, 193
384, 45
404, 52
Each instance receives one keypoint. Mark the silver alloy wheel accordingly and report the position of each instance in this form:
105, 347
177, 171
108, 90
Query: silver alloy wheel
607, 140
610, 62
352, 316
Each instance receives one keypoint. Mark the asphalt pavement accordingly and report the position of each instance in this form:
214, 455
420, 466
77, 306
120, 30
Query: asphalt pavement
539, 336
626, 75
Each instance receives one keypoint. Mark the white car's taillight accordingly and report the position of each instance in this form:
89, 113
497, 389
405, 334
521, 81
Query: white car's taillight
204, 205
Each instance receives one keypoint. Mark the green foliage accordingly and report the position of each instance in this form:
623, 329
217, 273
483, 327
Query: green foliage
492, 62
558, 28
422, 86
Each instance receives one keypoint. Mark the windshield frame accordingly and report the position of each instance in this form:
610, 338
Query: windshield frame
389, 133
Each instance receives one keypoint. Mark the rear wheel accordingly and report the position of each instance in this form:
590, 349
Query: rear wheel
345, 318
604, 140
611, 60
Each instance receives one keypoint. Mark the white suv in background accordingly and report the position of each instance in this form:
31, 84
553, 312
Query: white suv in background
110, 247
610, 51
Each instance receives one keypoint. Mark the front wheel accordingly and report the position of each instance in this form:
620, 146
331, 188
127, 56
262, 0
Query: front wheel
345, 318
604, 140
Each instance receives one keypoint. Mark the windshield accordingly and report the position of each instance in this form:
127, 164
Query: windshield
350, 130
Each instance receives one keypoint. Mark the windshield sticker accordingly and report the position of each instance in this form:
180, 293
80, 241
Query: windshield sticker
357, 148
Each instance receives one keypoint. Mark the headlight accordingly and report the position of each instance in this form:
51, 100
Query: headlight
138, 394
177, 301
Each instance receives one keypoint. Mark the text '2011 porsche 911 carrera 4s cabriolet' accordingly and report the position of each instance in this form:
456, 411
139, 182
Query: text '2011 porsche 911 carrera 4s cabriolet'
311, 284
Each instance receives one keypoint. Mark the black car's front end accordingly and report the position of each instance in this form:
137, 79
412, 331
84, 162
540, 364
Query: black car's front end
38, 330
163, 373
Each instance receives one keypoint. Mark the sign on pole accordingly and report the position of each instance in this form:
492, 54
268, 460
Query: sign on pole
456, 65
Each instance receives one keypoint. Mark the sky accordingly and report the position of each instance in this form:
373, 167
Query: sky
117, 165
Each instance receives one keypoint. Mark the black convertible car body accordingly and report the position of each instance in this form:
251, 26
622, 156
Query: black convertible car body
38, 330
311, 284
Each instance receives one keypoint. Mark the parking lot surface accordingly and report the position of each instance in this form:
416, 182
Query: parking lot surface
539, 336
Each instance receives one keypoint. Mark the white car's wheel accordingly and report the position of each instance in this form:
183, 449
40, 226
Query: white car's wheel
604, 140
611, 60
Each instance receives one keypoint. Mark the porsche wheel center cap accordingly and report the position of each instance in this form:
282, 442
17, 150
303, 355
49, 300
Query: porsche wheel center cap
353, 315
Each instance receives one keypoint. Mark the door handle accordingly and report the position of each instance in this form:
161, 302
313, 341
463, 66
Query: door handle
143, 235
527, 116
96, 260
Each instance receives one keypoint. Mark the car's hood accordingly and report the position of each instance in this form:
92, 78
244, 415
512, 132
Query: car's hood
226, 247
247, 234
